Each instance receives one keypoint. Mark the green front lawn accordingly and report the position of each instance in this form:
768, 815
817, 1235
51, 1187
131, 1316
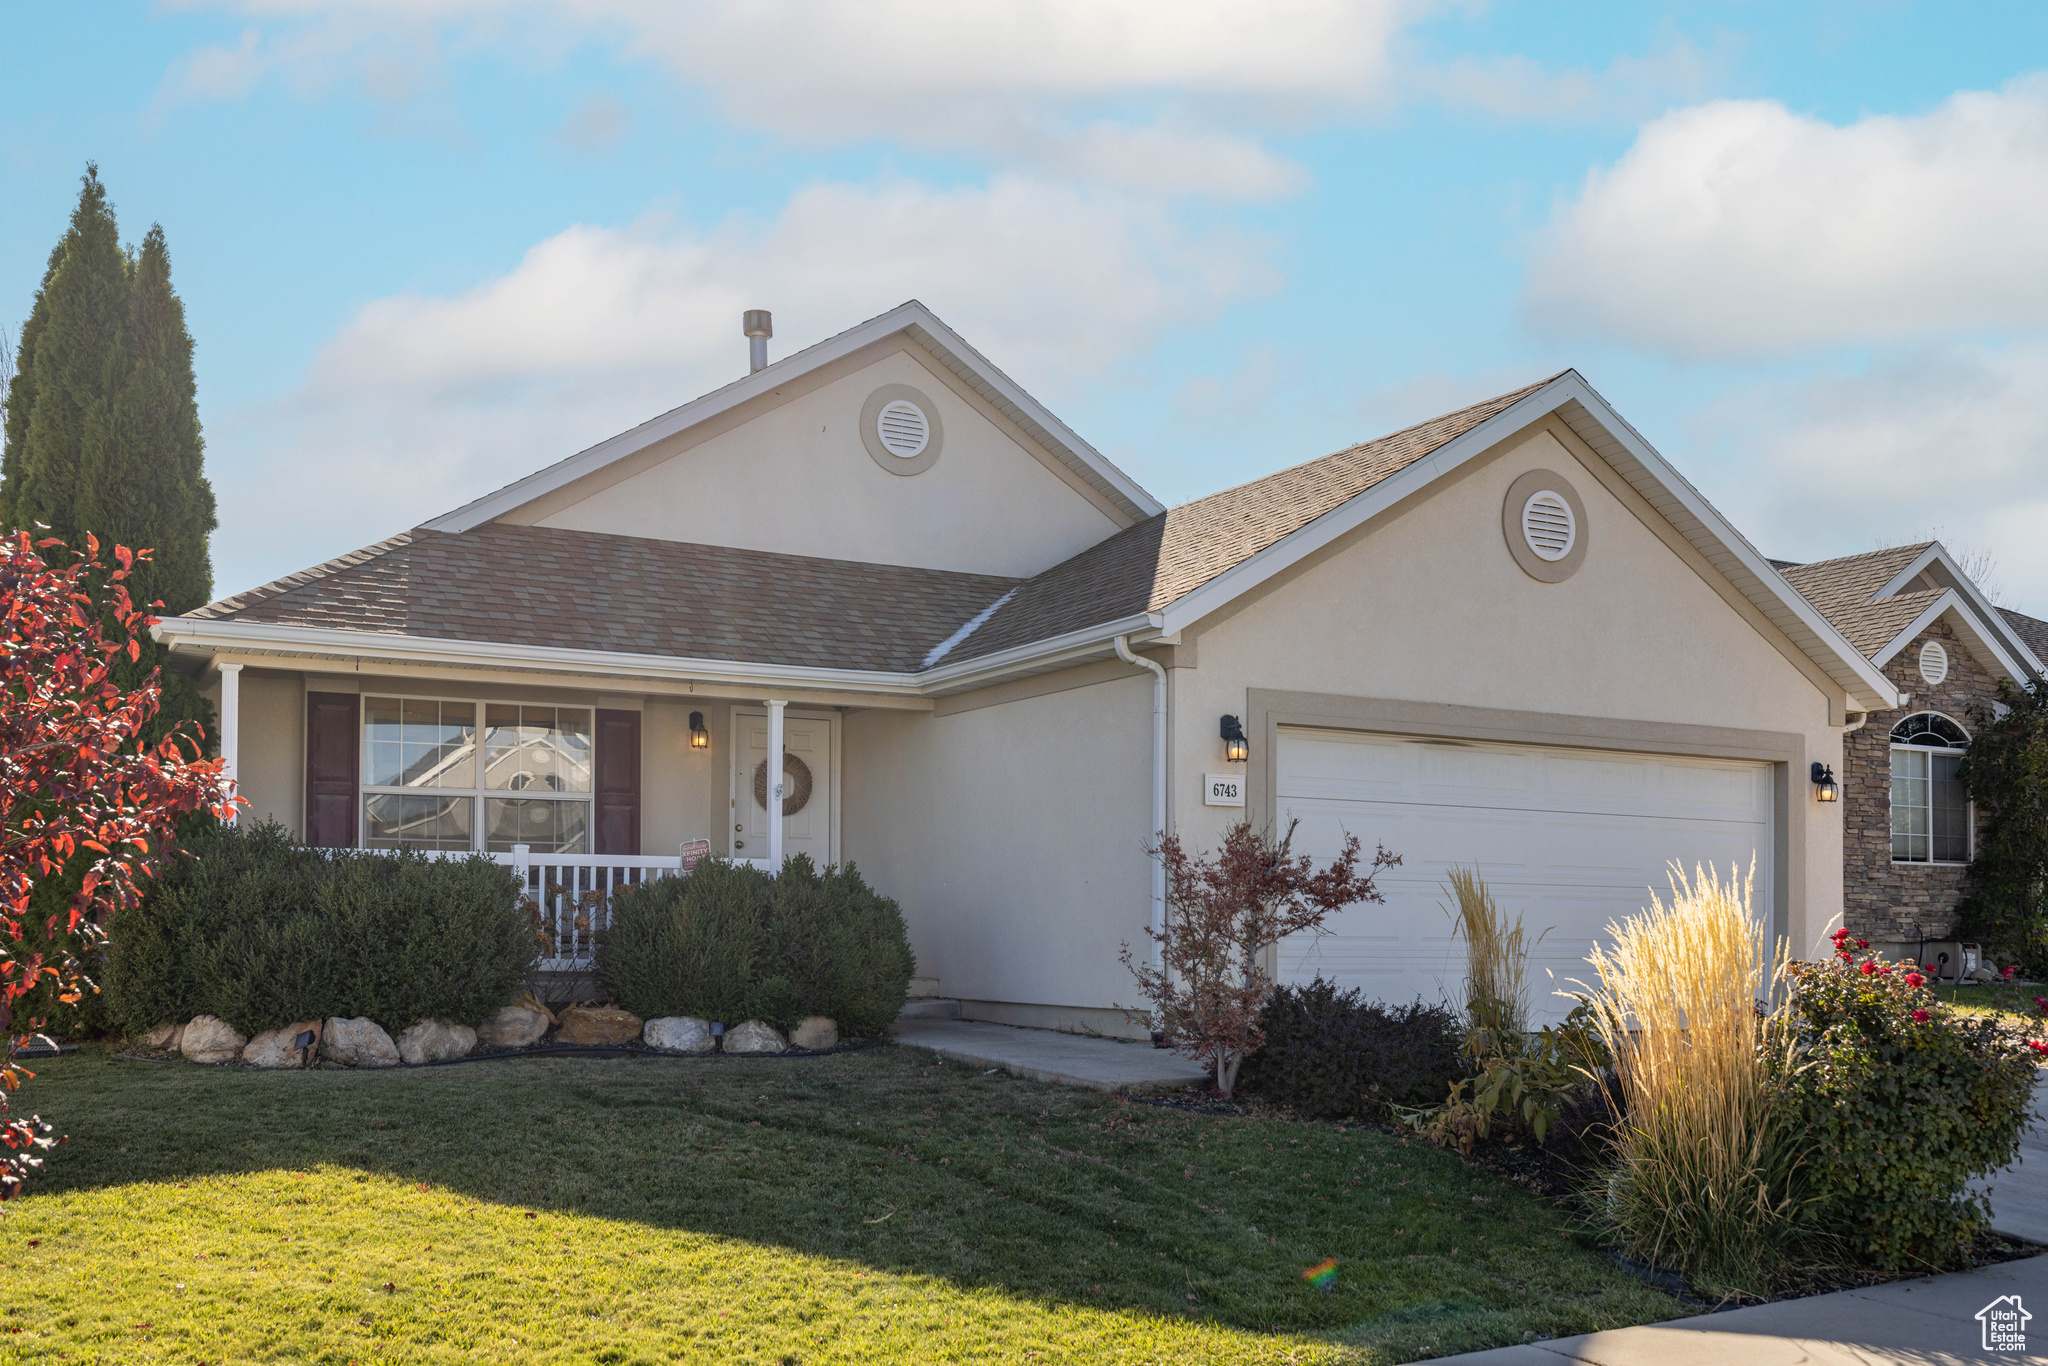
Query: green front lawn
1978, 999
871, 1206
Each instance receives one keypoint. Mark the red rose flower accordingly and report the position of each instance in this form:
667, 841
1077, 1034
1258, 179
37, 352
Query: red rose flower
1863, 943
1914, 979
2011, 970
2038, 1046
1869, 969
1920, 1016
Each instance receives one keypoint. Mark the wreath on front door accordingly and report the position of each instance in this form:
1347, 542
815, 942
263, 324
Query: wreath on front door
796, 784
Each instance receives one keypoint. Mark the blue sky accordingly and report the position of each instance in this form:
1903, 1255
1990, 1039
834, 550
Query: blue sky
427, 247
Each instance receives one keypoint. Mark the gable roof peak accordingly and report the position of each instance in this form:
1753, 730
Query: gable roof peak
909, 318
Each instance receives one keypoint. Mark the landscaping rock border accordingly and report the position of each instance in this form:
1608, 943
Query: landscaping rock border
541, 1050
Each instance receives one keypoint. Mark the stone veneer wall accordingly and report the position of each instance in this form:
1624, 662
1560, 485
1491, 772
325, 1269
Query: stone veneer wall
1883, 901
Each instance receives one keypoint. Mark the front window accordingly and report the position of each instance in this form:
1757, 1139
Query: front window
1930, 809
429, 784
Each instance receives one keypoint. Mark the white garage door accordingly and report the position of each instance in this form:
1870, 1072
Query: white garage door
1572, 839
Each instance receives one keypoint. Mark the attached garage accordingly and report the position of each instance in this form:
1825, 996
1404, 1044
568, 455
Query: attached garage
1570, 838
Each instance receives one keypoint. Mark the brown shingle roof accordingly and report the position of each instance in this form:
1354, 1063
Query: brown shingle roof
589, 591
1842, 590
1148, 566
580, 590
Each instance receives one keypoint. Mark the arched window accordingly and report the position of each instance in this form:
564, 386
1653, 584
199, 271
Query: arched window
1930, 810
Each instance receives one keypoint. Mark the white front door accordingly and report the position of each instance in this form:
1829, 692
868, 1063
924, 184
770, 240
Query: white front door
808, 786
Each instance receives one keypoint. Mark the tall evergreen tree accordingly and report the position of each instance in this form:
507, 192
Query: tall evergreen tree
102, 427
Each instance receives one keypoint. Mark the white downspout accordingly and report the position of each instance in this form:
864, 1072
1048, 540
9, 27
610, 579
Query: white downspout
1123, 652
231, 728
775, 785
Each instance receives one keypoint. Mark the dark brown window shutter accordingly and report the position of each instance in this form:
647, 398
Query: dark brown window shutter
333, 735
618, 783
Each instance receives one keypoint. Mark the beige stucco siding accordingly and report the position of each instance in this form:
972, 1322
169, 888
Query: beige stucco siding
682, 790
1430, 606
273, 747
1013, 835
795, 477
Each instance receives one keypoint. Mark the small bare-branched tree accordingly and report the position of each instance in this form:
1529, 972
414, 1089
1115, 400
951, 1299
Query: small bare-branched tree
1223, 913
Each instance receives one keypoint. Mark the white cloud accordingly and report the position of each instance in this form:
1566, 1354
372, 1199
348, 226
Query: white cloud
1630, 89
1739, 229
1945, 442
423, 402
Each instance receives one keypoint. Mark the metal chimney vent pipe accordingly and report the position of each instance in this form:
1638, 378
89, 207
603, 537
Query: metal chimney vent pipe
759, 327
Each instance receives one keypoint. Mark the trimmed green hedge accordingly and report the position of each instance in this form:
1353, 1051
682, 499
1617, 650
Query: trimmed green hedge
731, 943
263, 932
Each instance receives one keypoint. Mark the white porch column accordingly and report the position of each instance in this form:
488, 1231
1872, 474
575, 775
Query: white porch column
775, 784
231, 723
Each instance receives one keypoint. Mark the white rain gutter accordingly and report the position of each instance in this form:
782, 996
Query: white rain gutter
1123, 652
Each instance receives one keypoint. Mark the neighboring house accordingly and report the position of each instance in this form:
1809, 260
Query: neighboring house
1511, 637
1909, 828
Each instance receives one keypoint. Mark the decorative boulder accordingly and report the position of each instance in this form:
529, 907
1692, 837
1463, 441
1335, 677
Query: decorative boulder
754, 1037
164, 1038
210, 1040
598, 1025
515, 1026
679, 1034
357, 1043
436, 1041
274, 1047
815, 1032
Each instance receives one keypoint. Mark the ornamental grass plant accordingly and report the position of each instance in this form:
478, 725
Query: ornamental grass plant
1706, 1176
1496, 964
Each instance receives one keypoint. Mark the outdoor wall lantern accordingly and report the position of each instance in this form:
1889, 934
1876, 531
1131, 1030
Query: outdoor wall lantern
1236, 748
700, 738
1824, 789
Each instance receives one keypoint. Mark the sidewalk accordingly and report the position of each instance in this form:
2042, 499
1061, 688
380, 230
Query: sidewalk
1919, 1322
1044, 1055
1907, 1323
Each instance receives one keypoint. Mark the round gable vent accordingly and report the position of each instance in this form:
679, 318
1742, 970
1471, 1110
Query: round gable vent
1933, 662
1548, 525
904, 429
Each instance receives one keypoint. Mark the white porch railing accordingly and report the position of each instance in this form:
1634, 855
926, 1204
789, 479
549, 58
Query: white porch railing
573, 893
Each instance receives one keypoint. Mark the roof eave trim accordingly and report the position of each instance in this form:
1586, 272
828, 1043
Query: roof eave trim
1249, 573
1952, 601
1848, 663
904, 317
1981, 607
331, 642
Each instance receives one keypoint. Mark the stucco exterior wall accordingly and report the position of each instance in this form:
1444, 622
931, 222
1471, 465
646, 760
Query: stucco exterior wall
682, 790
1430, 606
273, 747
1883, 901
797, 478
1013, 836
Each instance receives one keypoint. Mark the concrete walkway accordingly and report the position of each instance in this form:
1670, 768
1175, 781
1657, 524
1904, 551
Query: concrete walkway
1045, 1055
1912, 1323
1909, 1323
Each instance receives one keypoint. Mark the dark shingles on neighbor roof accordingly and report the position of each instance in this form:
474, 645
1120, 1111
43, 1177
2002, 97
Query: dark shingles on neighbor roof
1150, 565
526, 585
589, 591
2032, 630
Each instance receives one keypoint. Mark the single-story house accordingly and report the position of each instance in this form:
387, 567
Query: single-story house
1512, 637
1909, 828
